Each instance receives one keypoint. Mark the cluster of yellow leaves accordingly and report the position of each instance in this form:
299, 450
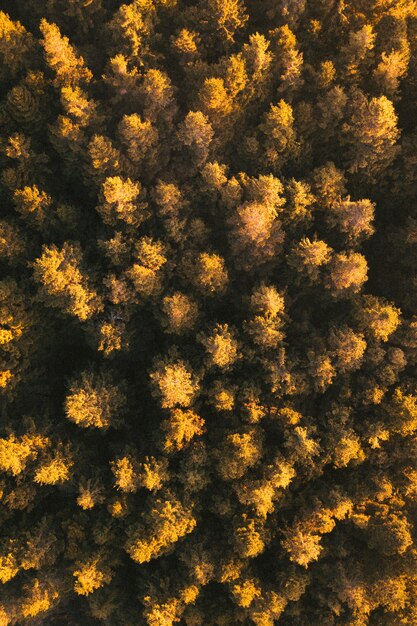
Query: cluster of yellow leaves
90, 575
168, 522
63, 283
15, 453
174, 383
94, 401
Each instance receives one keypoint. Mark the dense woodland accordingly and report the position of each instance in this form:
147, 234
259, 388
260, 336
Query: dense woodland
208, 312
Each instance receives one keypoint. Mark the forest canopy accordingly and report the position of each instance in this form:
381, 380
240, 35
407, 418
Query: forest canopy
208, 312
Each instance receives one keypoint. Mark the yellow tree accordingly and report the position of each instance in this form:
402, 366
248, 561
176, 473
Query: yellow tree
207, 273
256, 234
174, 383
279, 136
289, 59
348, 271
221, 346
196, 134
166, 522
309, 258
378, 317
140, 138
180, 428
131, 28
62, 283
180, 313
370, 135
62, 58
94, 400
227, 16
120, 201
16, 45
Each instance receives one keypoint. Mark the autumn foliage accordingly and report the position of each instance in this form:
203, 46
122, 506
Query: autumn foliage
208, 312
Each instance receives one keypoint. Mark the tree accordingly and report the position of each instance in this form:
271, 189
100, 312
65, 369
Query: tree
153, 473
146, 273
126, 474
299, 207
55, 468
68, 66
403, 405
171, 208
8, 566
227, 17
389, 533
215, 101
180, 428
256, 235
39, 597
122, 79
174, 383
90, 576
120, 201
221, 346
391, 69
289, 59
250, 539
94, 401
303, 547
16, 453
62, 283
16, 46
196, 133
236, 77
329, 184
353, 219
208, 273
158, 95
279, 135
32, 204
245, 592
180, 313
347, 273
78, 106
268, 308
131, 27
16, 334
370, 135
258, 62
166, 522
240, 451
23, 106
140, 138
357, 53
377, 317
309, 258
186, 45
104, 158
13, 243
347, 348
267, 301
